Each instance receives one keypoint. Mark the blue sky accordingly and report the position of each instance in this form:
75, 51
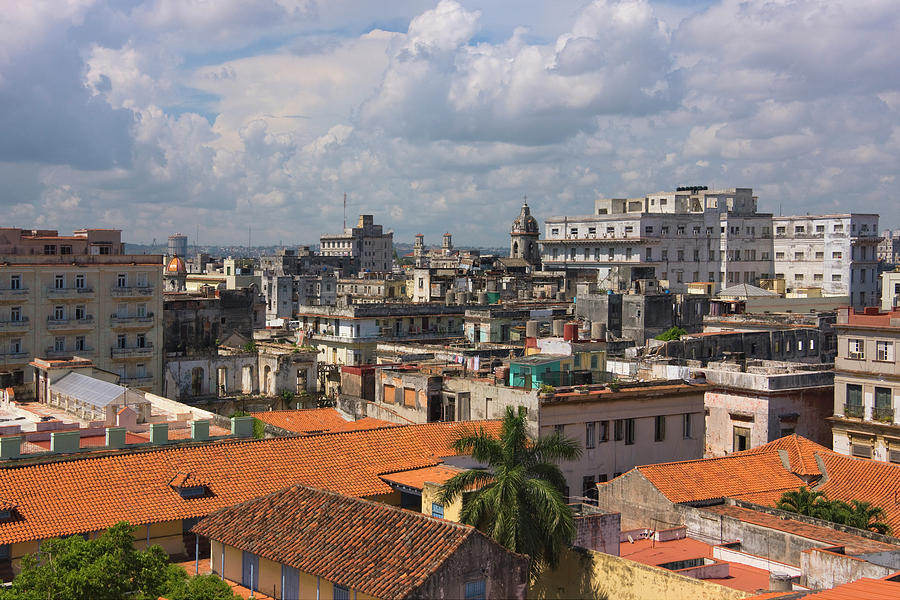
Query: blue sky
159, 116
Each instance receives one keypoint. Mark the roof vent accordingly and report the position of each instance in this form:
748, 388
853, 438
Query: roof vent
189, 486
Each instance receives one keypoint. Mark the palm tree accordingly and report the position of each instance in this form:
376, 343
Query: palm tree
518, 498
806, 502
865, 515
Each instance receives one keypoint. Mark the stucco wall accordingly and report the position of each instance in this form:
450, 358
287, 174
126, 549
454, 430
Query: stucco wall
638, 502
824, 569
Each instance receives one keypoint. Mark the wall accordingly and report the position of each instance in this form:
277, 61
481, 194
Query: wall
588, 574
824, 569
430, 493
505, 573
639, 503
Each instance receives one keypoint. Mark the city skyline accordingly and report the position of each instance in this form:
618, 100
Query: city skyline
434, 116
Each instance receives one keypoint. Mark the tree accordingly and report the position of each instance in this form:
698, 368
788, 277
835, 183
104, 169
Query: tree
518, 498
200, 587
862, 515
673, 333
856, 513
806, 502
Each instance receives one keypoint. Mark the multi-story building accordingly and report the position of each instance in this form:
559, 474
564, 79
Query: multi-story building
834, 253
889, 247
867, 385
890, 290
366, 244
80, 295
368, 289
715, 236
687, 236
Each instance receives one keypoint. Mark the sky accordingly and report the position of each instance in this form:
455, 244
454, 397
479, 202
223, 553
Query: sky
236, 118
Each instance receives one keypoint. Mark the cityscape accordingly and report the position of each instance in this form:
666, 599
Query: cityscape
329, 302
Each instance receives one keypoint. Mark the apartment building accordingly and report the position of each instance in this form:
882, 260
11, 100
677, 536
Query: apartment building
367, 245
867, 385
714, 236
889, 247
79, 295
837, 254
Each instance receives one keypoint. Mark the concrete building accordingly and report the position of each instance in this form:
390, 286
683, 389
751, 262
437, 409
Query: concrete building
79, 294
866, 422
197, 324
890, 290
368, 247
834, 253
523, 238
369, 288
889, 247
178, 246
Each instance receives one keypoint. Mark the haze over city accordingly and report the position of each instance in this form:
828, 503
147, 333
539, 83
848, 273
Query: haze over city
165, 115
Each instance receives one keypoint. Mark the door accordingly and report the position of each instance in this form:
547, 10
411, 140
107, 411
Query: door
290, 581
250, 571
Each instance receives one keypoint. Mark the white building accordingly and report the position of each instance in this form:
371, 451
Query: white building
699, 235
370, 248
837, 254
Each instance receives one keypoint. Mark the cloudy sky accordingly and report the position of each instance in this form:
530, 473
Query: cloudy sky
159, 116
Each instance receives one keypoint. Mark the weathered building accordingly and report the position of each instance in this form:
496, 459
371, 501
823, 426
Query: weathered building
197, 324
366, 245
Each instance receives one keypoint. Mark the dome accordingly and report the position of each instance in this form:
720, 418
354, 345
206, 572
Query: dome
175, 265
525, 223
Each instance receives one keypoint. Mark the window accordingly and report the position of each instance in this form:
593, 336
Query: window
820, 255
59, 313
437, 510
141, 311
629, 432
612, 254
665, 255
341, 592
680, 230
620, 430
686, 426
65, 249
79, 342
560, 429
49, 248
15, 346
681, 255
15, 313
142, 280
122, 280
648, 254
836, 255
589, 489
799, 229
856, 349
659, 428
120, 340
59, 344
648, 229
79, 282
475, 590
627, 253
122, 310
664, 230
883, 410
838, 227
59, 282
798, 276
15, 282
590, 435
780, 230
604, 431
835, 277
696, 255
741, 439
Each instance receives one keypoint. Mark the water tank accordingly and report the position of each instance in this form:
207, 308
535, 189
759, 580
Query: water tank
570, 332
558, 327
598, 330
531, 329
178, 245
482, 298
450, 298
780, 582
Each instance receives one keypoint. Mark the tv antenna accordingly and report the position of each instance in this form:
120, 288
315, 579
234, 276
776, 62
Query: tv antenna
345, 210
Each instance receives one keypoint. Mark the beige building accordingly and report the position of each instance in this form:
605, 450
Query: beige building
867, 385
79, 295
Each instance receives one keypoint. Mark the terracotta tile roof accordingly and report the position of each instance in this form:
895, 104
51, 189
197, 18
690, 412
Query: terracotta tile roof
861, 589
706, 479
367, 546
853, 544
89, 493
416, 478
866, 480
801, 453
364, 423
312, 420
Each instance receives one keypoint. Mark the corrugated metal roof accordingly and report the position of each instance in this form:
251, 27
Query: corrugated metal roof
744, 290
87, 389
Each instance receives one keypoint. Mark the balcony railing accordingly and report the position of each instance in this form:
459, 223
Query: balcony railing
16, 294
139, 291
85, 322
130, 352
124, 320
885, 414
10, 355
854, 411
69, 292
138, 380
16, 325
52, 352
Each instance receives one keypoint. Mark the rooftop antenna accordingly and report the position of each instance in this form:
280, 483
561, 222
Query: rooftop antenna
345, 210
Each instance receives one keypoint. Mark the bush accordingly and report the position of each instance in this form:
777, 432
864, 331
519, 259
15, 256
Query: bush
671, 334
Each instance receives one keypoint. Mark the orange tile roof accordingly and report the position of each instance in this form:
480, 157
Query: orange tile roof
709, 478
312, 420
416, 478
367, 546
861, 589
89, 493
364, 423
866, 480
801, 453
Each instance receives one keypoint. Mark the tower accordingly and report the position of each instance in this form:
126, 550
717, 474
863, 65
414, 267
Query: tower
419, 251
447, 244
523, 237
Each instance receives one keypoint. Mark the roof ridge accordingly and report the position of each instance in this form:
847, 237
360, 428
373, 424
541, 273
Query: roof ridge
711, 458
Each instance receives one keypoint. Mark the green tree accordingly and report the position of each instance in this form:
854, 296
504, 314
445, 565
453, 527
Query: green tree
200, 587
673, 333
806, 502
518, 498
856, 513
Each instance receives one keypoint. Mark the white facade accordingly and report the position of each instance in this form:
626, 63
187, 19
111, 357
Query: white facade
835, 253
370, 248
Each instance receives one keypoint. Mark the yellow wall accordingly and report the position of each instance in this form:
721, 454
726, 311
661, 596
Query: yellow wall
430, 494
588, 574
391, 498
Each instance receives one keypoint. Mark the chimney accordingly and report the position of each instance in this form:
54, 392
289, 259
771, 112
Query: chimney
159, 433
10, 447
65, 441
200, 430
115, 437
242, 426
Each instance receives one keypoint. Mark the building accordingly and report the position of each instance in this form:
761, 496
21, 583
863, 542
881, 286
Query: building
890, 290
79, 294
197, 324
889, 247
867, 385
178, 246
368, 288
523, 238
302, 542
368, 247
834, 253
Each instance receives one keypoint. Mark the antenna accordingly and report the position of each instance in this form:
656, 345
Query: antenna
345, 211
249, 238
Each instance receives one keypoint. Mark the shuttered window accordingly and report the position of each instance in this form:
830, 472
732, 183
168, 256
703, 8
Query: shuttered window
388, 394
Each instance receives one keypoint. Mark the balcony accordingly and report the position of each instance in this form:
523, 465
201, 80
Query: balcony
142, 291
86, 322
52, 352
126, 321
884, 414
137, 380
132, 352
70, 293
13, 295
20, 325
10, 356
854, 411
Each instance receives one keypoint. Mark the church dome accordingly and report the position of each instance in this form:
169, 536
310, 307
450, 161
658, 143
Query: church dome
525, 223
175, 265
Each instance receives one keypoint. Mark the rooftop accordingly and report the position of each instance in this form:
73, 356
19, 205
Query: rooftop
868, 317
312, 420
